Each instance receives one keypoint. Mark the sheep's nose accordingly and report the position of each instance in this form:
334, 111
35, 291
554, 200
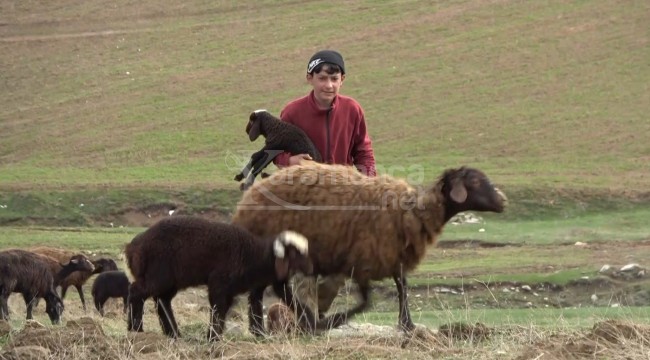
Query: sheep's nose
503, 196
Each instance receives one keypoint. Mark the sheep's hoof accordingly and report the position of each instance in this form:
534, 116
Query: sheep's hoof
239, 177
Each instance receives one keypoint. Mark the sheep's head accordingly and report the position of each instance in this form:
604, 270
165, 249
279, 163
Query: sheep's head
79, 263
254, 126
468, 189
53, 307
291, 255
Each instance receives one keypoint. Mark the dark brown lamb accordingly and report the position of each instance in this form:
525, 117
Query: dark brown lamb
280, 137
110, 284
184, 251
28, 274
78, 278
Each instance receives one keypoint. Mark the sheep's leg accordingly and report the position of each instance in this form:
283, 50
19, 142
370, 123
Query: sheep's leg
137, 296
166, 314
256, 312
81, 296
305, 316
405, 322
29, 303
340, 318
64, 289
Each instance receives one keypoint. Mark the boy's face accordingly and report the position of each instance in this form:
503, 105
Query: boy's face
326, 86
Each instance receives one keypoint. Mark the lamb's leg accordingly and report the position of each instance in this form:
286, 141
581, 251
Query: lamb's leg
405, 322
245, 171
137, 296
166, 314
99, 305
219, 306
256, 157
265, 161
340, 318
256, 312
4, 309
81, 296
125, 301
306, 318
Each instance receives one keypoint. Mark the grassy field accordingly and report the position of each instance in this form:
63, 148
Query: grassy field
112, 115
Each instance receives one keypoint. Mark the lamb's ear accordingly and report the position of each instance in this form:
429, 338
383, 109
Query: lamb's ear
281, 268
253, 129
458, 192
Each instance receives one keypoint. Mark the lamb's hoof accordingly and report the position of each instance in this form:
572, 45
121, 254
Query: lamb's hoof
239, 177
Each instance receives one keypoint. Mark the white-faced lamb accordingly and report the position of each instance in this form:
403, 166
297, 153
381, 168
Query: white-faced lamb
110, 284
28, 274
367, 228
78, 278
183, 251
280, 137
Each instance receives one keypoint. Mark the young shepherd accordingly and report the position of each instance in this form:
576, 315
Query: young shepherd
184, 251
367, 228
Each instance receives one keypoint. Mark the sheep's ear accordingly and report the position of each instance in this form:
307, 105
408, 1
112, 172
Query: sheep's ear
253, 129
458, 192
281, 268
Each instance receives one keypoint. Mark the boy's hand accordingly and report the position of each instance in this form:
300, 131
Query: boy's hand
298, 159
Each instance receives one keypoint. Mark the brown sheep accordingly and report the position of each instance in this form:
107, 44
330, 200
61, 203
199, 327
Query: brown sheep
367, 228
185, 251
79, 278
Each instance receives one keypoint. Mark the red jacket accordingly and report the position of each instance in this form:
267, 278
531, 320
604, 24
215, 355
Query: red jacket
339, 134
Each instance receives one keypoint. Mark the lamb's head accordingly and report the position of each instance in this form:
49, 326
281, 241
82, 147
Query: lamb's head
291, 255
104, 264
255, 126
467, 189
79, 263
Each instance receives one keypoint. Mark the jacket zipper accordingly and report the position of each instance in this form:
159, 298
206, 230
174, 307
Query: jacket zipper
327, 131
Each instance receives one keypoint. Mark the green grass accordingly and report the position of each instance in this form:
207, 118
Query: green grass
549, 94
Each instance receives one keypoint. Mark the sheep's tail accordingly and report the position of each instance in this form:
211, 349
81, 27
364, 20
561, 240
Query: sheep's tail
133, 259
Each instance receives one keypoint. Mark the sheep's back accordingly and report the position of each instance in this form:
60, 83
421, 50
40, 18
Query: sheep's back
63, 256
24, 271
354, 223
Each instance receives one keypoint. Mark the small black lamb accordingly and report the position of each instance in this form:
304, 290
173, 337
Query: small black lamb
185, 251
30, 275
280, 137
110, 284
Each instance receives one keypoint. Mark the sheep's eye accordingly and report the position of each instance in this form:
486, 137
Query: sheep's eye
475, 182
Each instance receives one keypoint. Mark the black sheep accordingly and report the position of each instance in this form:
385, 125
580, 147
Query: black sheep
30, 275
184, 251
110, 284
280, 137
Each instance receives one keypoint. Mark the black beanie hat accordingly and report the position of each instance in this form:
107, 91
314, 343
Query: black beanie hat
325, 56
